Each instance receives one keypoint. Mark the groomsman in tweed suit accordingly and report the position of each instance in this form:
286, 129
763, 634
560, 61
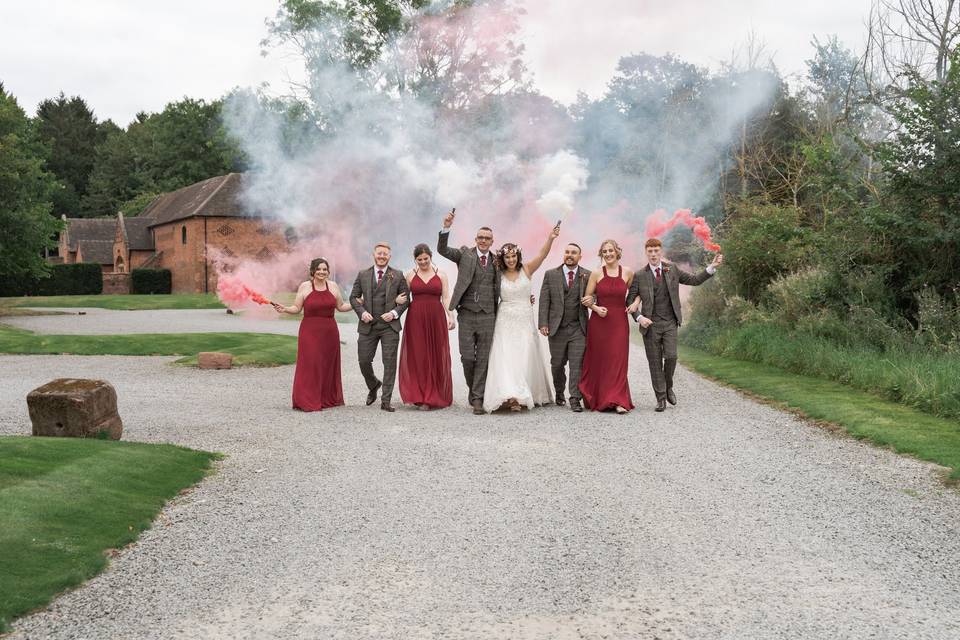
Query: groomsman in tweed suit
475, 297
374, 300
658, 289
563, 319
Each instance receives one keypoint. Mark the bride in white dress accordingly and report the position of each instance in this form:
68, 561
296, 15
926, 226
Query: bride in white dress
519, 371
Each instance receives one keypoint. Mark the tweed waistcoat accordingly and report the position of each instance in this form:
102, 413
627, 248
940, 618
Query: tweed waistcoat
378, 299
662, 307
477, 297
571, 303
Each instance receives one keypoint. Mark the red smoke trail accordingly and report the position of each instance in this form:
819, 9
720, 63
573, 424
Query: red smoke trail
658, 224
232, 292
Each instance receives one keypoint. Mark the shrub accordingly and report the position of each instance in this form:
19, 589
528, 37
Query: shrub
62, 280
938, 320
795, 295
151, 281
761, 243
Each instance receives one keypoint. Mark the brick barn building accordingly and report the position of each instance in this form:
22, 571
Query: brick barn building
181, 231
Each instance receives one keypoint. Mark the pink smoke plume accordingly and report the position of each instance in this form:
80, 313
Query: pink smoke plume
658, 224
240, 281
232, 292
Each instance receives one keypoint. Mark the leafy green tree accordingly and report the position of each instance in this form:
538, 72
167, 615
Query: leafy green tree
447, 56
117, 174
69, 129
26, 226
185, 143
762, 242
919, 214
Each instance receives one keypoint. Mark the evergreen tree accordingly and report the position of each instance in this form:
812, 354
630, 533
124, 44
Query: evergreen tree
26, 226
69, 129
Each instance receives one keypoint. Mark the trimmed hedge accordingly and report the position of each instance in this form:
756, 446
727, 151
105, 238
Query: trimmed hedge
151, 281
82, 279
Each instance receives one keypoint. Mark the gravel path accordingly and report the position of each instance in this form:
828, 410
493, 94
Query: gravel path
95, 321
721, 518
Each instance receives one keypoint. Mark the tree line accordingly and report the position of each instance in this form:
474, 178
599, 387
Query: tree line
842, 185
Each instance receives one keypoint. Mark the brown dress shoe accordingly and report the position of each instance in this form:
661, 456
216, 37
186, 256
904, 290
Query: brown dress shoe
575, 405
386, 406
478, 408
372, 395
671, 397
661, 404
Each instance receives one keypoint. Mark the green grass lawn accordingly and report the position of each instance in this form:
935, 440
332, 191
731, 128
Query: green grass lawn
263, 349
65, 501
120, 302
862, 415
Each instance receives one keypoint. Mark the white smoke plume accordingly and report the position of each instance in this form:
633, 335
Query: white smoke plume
366, 164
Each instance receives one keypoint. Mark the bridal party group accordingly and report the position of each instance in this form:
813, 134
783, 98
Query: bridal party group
569, 345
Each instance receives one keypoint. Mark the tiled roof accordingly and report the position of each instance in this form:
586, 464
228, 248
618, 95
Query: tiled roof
218, 196
99, 251
139, 237
79, 229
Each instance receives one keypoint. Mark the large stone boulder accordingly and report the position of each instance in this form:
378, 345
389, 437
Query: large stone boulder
75, 408
214, 360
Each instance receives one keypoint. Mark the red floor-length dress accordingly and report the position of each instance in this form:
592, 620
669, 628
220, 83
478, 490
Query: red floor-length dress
316, 382
425, 353
603, 376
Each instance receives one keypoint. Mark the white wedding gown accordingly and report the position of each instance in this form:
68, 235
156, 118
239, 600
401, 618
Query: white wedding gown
519, 364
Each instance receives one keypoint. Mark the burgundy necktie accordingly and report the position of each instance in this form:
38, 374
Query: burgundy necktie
483, 261
658, 274
569, 279
380, 276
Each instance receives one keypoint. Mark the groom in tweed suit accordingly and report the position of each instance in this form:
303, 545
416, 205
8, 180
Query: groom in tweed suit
564, 321
658, 289
475, 297
374, 300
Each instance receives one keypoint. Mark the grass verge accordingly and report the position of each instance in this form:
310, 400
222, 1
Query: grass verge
120, 302
923, 379
65, 501
259, 349
862, 415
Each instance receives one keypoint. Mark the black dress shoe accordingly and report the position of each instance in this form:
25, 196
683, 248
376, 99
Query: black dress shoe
372, 395
661, 404
386, 406
478, 408
575, 405
561, 400
671, 397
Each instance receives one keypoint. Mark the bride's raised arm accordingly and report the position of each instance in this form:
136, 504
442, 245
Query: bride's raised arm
534, 263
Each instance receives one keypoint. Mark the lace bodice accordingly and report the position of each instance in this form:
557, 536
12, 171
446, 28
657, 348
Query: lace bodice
515, 292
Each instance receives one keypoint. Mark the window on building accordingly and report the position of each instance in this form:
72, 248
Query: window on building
183, 234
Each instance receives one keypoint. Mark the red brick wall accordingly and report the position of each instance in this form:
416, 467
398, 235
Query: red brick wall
137, 258
237, 237
185, 261
116, 283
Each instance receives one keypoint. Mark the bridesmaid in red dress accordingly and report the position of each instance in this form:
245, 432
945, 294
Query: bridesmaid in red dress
425, 378
316, 382
603, 377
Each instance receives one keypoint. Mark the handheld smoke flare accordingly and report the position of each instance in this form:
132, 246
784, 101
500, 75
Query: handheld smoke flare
232, 292
658, 224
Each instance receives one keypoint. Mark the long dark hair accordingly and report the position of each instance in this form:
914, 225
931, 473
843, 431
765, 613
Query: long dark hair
506, 249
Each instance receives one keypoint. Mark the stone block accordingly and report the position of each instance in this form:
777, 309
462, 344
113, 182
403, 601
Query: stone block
75, 408
214, 360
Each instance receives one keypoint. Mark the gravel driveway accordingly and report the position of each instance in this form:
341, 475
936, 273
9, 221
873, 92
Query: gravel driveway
721, 518
95, 321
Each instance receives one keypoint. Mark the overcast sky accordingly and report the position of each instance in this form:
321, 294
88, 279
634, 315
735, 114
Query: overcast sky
125, 56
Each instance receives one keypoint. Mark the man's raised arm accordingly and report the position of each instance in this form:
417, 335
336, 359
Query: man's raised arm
443, 247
